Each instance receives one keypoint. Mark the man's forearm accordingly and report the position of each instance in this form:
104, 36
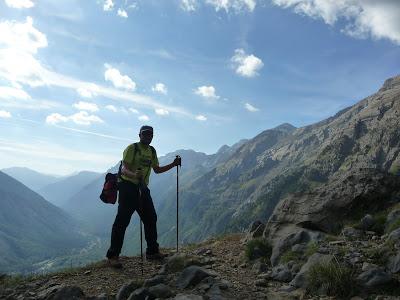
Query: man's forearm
164, 168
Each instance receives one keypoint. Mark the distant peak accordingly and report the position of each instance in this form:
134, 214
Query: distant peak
285, 126
393, 82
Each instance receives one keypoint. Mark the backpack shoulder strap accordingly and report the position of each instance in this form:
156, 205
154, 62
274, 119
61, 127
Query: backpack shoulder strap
153, 152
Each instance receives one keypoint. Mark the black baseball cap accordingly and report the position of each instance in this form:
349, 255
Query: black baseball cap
145, 128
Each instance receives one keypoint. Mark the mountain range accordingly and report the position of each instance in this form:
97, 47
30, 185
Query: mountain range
228, 190
32, 229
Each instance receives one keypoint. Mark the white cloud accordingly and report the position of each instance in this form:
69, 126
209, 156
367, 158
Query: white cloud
108, 5
119, 80
236, 5
20, 41
246, 65
144, 118
7, 92
19, 3
189, 5
81, 105
112, 108
201, 118
206, 92
5, 114
251, 108
80, 118
362, 18
88, 91
83, 118
18, 44
161, 111
160, 88
55, 118
133, 110
122, 13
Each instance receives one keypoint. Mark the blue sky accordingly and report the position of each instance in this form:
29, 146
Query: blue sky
79, 78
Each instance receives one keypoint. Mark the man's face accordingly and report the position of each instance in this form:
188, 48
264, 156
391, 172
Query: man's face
146, 137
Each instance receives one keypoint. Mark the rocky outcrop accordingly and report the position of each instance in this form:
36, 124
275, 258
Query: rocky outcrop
326, 208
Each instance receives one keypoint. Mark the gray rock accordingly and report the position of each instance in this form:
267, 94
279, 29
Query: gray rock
394, 263
102, 296
395, 236
392, 217
154, 280
160, 291
139, 294
374, 277
260, 282
259, 267
126, 290
191, 276
367, 222
299, 248
351, 233
298, 236
300, 279
282, 273
188, 297
67, 293
176, 262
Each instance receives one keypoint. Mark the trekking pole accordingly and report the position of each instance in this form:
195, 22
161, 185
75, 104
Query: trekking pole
140, 219
177, 204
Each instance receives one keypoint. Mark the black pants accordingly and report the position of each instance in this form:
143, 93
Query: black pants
132, 198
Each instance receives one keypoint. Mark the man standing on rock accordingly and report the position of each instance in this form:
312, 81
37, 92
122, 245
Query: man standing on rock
134, 194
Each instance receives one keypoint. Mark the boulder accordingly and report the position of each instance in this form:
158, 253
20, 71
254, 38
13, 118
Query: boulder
327, 206
394, 263
160, 291
282, 273
367, 222
154, 280
351, 233
139, 294
394, 236
191, 276
188, 297
300, 279
124, 292
67, 293
374, 277
392, 217
295, 236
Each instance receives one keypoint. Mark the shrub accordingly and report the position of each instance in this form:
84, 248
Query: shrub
258, 248
332, 279
379, 222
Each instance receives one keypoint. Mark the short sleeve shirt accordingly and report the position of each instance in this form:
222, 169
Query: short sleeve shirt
143, 159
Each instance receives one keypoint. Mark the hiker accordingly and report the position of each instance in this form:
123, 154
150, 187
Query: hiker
134, 195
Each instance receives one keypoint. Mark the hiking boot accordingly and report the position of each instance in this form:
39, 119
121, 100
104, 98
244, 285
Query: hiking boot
114, 262
156, 256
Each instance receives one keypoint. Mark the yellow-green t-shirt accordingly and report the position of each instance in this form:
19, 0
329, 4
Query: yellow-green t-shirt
143, 158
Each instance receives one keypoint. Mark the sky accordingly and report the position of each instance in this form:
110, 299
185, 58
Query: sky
79, 77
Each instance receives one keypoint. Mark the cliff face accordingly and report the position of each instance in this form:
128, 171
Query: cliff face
283, 160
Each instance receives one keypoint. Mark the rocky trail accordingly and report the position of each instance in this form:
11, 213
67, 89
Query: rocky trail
214, 269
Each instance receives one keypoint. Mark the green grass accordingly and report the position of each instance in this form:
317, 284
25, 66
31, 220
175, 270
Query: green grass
331, 278
258, 248
312, 248
393, 226
381, 255
290, 255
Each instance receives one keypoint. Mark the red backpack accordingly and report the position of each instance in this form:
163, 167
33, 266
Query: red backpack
109, 194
